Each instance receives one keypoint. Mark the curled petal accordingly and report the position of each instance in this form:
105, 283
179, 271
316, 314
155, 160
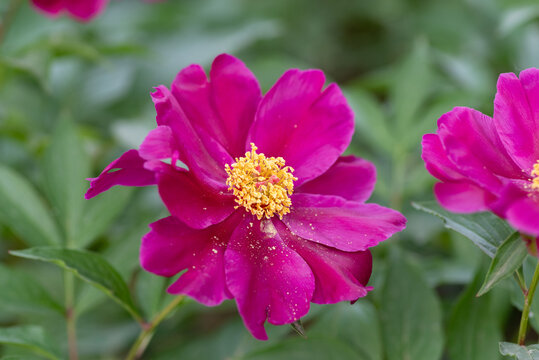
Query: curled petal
516, 114
308, 127
171, 246
436, 160
344, 225
127, 170
268, 280
472, 144
158, 144
457, 192
339, 276
204, 157
350, 177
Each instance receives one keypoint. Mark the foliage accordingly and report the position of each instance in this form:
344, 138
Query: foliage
74, 96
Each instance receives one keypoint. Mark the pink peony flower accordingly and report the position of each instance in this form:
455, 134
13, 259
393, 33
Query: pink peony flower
489, 163
82, 10
268, 212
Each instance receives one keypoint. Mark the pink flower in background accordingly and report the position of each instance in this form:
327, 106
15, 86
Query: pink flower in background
263, 208
489, 163
82, 10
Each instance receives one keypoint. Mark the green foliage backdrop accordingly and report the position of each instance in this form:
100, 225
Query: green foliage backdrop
75, 96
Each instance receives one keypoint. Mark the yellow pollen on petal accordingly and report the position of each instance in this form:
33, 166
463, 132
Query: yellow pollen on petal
262, 185
535, 176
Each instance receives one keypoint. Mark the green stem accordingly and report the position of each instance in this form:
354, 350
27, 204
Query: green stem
520, 281
527, 303
7, 19
69, 289
147, 332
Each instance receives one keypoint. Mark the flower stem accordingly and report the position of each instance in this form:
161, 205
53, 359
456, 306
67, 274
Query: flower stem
528, 298
148, 330
7, 19
69, 289
520, 281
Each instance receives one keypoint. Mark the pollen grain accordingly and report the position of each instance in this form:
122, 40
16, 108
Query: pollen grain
535, 176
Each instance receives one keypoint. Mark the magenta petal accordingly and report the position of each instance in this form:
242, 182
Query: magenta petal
236, 95
350, 177
203, 155
85, 10
193, 204
345, 225
49, 7
516, 114
309, 128
171, 247
223, 108
268, 280
158, 144
472, 144
128, 171
436, 160
192, 91
511, 193
524, 215
462, 197
339, 276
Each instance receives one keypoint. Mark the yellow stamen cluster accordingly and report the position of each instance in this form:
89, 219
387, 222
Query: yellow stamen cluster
535, 175
261, 184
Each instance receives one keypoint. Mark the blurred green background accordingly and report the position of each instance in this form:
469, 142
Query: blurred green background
401, 63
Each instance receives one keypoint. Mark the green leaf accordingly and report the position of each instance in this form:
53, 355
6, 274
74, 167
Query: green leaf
25, 211
66, 45
357, 325
25, 294
508, 259
99, 213
230, 341
426, 119
520, 352
484, 229
411, 85
96, 335
66, 167
411, 317
517, 17
30, 337
474, 329
370, 119
123, 253
88, 266
150, 292
33, 64
315, 348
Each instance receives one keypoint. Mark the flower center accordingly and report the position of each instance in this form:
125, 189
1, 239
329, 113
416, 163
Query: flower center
261, 184
535, 175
